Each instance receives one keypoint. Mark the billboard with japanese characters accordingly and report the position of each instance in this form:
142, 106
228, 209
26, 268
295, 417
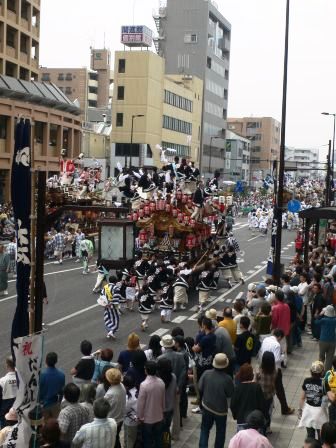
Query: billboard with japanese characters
136, 36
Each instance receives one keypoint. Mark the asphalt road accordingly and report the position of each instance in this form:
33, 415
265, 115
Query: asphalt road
73, 314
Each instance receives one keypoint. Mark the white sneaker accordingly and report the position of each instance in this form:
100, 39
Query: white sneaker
111, 335
196, 410
77, 261
5, 293
183, 307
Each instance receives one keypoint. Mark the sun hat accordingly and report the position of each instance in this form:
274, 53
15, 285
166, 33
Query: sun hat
211, 314
317, 367
251, 287
329, 311
220, 361
167, 341
11, 415
113, 376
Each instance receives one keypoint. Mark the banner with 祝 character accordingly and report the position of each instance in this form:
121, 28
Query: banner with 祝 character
28, 354
21, 200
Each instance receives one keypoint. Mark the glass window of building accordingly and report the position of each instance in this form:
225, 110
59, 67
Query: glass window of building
120, 119
121, 92
121, 65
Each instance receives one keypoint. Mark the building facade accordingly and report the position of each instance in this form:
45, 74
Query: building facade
54, 118
90, 88
194, 38
151, 109
264, 134
19, 38
303, 160
237, 158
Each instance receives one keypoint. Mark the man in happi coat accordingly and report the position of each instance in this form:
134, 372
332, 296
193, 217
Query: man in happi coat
4, 269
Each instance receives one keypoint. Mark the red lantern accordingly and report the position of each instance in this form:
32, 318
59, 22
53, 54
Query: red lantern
190, 241
141, 213
179, 195
135, 216
162, 204
180, 217
146, 209
174, 213
171, 231
143, 236
168, 208
152, 206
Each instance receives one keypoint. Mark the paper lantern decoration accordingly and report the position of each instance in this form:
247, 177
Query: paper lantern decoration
192, 223
186, 220
143, 236
190, 241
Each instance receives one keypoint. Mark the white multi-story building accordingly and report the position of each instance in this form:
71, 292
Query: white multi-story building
303, 160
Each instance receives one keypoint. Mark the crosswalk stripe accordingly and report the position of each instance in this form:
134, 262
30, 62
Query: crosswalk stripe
179, 319
239, 295
258, 266
194, 308
285, 248
160, 331
250, 271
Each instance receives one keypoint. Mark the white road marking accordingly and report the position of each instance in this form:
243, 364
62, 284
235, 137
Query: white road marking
285, 248
250, 271
258, 266
194, 308
7, 298
264, 262
61, 272
194, 316
239, 295
179, 319
160, 331
251, 239
288, 257
70, 316
228, 300
240, 261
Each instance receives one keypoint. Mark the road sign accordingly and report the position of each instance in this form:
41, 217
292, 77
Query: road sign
294, 206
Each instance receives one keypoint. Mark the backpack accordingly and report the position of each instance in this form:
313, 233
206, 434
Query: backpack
331, 379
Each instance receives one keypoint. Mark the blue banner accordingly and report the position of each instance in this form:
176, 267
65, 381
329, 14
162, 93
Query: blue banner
21, 201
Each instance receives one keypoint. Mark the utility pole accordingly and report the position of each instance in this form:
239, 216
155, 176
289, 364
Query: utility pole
329, 175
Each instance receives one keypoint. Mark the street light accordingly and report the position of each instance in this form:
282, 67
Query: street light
214, 137
333, 147
131, 149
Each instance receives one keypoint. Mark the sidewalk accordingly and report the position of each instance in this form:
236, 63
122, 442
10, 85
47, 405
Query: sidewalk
285, 433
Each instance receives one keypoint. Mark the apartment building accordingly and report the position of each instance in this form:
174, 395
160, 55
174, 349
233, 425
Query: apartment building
54, 118
151, 109
19, 38
237, 158
90, 88
264, 134
194, 38
303, 161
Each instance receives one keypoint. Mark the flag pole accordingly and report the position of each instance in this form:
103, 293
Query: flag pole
32, 244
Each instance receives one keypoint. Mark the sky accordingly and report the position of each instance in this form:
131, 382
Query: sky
70, 27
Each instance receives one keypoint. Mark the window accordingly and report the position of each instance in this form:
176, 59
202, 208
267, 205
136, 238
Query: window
68, 90
225, 94
121, 93
177, 125
213, 109
24, 10
178, 101
45, 76
215, 88
68, 77
53, 135
24, 43
39, 131
120, 120
61, 76
124, 149
181, 150
190, 38
208, 62
3, 127
11, 5
10, 39
226, 74
121, 65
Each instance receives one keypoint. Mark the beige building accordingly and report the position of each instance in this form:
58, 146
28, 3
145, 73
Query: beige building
165, 110
55, 119
264, 134
19, 38
90, 87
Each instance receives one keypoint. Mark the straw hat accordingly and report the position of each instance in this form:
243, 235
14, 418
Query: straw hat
252, 287
113, 376
211, 314
167, 341
220, 361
